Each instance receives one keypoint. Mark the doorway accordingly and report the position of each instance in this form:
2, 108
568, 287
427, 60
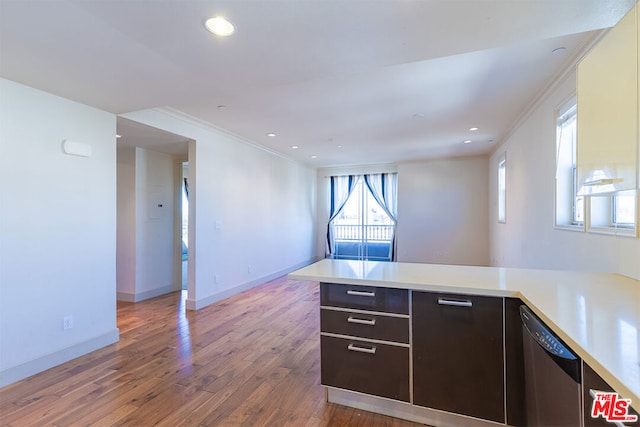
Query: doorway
363, 230
184, 224
149, 206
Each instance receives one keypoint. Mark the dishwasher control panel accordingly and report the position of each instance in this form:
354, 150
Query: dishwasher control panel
543, 335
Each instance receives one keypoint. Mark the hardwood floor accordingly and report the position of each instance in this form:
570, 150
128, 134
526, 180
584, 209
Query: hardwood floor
252, 359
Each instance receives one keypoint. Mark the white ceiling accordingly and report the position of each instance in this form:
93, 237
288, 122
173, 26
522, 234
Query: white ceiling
348, 81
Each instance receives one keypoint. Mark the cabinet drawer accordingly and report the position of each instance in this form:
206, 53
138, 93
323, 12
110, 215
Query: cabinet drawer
377, 369
367, 325
458, 361
365, 297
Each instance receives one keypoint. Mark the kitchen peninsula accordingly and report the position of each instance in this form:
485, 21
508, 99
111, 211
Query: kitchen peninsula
597, 315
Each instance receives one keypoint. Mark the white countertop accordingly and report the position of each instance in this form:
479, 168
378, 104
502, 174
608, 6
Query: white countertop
596, 314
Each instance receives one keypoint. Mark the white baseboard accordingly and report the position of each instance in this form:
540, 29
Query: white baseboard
141, 296
24, 370
192, 304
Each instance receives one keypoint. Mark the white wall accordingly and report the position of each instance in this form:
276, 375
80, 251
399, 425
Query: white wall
145, 235
529, 239
443, 211
57, 231
253, 212
154, 223
126, 223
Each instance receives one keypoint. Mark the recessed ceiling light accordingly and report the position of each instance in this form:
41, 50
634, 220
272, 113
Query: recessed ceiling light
295, 147
219, 26
118, 136
468, 141
473, 129
314, 157
339, 146
559, 50
271, 134
222, 107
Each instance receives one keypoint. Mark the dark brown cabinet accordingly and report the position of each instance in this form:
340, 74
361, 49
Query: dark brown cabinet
365, 325
592, 383
458, 357
372, 368
450, 356
514, 364
373, 298
364, 341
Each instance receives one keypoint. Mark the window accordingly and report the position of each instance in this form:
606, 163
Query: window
363, 230
569, 205
624, 209
614, 213
362, 217
502, 189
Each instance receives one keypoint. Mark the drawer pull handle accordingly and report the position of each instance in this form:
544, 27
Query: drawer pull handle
368, 350
370, 322
457, 303
593, 392
361, 293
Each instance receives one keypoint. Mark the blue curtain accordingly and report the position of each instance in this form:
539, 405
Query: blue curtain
384, 188
341, 188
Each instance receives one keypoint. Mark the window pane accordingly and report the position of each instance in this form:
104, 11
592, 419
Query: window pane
624, 209
613, 213
363, 230
569, 206
347, 223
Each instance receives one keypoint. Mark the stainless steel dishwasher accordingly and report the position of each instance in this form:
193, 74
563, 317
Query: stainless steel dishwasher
552, 376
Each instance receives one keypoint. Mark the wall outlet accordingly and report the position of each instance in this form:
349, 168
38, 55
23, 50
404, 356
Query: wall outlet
67, 322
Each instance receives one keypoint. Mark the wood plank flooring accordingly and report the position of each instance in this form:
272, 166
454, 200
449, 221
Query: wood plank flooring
249, 360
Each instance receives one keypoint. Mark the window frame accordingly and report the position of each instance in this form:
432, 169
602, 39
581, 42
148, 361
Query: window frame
363, 231
614, 212
502, 189
566, 198
601, 215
